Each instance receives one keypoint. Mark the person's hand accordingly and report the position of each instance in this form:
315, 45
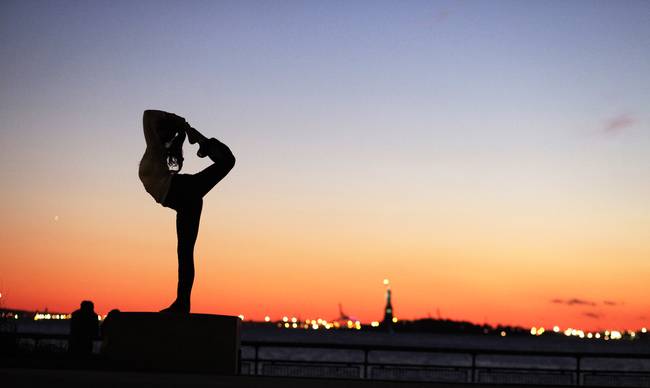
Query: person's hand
179, 122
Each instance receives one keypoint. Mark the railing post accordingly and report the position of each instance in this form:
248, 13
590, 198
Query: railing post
578, 358
473, 371
364, 374
255, 359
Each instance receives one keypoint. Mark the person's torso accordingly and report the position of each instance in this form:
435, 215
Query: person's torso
155, 175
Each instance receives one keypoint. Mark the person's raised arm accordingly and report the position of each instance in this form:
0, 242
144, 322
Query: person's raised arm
155, 122
150, 123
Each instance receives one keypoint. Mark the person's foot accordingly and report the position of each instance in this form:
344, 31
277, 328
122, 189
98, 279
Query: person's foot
177, 308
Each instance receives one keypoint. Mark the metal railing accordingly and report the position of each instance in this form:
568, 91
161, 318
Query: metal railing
389, 362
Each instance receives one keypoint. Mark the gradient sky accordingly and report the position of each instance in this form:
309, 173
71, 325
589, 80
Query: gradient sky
490, 158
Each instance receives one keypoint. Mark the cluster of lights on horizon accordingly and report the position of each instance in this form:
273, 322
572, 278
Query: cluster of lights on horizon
47, 316
41, 316
320, 323
605, 335
315, 324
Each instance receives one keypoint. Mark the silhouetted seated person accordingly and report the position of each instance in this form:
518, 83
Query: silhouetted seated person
106, 324
84, 329
107, 321
159, 172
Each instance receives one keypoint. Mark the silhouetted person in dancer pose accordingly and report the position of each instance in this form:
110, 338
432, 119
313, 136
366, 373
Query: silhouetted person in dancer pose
159, 172
84, 329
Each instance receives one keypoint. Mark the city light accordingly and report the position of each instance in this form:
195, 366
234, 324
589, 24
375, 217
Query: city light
556, 329
644, 330
267, 319
241, 316
374, 324
503, 333
537, 331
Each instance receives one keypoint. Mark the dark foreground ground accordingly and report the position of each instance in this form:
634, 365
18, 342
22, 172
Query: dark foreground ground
23, 377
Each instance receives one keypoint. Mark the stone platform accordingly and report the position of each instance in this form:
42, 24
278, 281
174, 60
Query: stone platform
198, 343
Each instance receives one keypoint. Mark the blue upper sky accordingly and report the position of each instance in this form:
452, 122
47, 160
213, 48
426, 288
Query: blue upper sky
495, 90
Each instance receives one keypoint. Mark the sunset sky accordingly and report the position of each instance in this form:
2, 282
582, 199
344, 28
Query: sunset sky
492, 159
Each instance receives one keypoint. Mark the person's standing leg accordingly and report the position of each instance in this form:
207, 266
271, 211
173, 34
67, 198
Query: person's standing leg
188, 217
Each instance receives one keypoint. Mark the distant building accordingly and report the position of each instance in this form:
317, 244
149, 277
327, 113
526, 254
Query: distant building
388, 311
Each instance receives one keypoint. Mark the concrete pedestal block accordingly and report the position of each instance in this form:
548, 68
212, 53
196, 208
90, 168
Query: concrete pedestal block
172, 342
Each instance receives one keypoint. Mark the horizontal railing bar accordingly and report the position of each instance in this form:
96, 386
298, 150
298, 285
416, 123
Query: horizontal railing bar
419, 349
420, 366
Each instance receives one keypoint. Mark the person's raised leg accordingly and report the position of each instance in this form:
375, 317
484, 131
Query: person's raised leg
203, 181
